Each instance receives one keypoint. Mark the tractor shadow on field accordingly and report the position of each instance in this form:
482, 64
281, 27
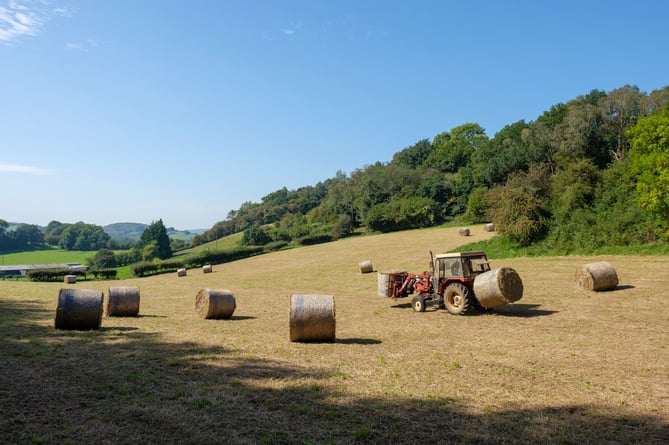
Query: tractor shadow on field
520, 310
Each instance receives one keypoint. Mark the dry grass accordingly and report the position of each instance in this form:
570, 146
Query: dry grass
562, 365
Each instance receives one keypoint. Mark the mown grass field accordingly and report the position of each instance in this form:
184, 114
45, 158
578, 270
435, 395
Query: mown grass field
561, 366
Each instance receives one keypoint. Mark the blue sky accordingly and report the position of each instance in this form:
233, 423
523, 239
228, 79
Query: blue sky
135, 110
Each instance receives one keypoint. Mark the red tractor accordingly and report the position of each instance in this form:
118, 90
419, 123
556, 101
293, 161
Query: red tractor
449, 284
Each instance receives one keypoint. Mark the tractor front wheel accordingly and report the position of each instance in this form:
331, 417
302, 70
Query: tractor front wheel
459, 300
418, 303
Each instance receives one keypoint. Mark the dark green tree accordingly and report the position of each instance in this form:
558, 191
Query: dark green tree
81, 236
28, 235
520, 209
255, 236
53, 232
157, 232
414, 156
453, 150
104, 259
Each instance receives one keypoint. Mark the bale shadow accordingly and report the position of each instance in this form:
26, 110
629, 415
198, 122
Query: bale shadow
242, 317
118, 328
624, 287
358, 341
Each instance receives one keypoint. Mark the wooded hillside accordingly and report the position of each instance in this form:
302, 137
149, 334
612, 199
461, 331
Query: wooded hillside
589, 172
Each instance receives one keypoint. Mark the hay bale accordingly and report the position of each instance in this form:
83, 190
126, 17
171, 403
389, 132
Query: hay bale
498, 287
312, 318
599, 276
215, 303
490, 227
79, 309
464, 231
70, 279
181, 272
207, 268
366, 267
123, 301
386, 281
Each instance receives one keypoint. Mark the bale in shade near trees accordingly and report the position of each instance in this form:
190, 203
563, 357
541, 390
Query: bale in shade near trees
498, 287
599, 276
366, 267
490, 227
312, 318
123, 301
70, 279
79, 309
215, 303
464, 232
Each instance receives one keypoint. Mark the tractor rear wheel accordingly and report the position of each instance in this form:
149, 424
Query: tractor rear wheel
418, 303
459, 300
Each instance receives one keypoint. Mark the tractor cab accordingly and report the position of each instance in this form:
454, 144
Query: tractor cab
460, 266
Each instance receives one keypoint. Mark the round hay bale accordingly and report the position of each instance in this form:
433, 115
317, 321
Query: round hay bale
386, 281
498, 287
70, 279
79, 309
599, 276
464, 231
123, 301
366, 267
312, 318
215, 303
490, 227
181, 272
207, 268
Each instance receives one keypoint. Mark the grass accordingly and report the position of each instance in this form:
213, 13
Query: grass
503, 248
561, 366
46, 255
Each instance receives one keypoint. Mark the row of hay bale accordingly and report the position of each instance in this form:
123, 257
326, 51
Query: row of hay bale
312, 316
207, 268
81, 309
466, 231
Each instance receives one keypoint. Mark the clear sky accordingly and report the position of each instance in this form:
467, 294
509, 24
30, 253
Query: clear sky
135, 110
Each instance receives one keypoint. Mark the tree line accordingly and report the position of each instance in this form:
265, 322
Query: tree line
154, 242
586, 173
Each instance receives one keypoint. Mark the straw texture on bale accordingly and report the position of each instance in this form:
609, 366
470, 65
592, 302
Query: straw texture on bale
207, 268
490, 227
181, 272
312, 318
215, 303
498, 287
123, 301
70, 279
597, 276
386, 280
366, 267
79, 309
464, 232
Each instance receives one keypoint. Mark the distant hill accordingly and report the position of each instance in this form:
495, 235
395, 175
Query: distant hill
126, 231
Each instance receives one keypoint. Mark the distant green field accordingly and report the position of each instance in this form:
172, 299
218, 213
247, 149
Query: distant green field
46, 256
228, 242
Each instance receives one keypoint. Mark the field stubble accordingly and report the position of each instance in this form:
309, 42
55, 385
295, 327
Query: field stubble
562, 365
